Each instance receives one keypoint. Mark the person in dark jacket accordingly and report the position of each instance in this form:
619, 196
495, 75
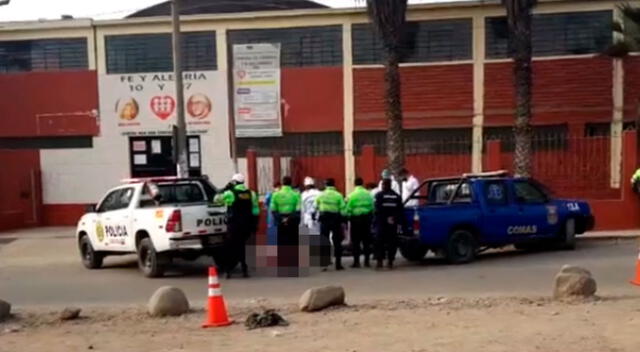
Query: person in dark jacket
243, 211
388, 221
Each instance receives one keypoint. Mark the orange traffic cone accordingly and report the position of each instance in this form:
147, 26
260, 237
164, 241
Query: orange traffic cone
636, 281
217, 311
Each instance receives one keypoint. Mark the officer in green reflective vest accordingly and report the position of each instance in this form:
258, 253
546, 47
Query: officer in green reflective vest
285, 207
243, 211
331, 206
359, 210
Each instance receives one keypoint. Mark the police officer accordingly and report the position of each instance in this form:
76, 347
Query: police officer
388, 219
359, 210
285, 207
331, 206
243, 211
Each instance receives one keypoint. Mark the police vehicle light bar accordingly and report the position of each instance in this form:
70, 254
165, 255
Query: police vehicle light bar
151, 179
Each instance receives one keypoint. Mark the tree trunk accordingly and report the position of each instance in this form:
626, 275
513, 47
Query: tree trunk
522, 53
395, 140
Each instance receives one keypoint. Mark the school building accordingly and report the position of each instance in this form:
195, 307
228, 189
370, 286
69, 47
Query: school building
84, 103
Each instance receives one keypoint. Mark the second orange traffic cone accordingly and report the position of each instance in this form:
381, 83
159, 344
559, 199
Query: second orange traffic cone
636, 281
217, 310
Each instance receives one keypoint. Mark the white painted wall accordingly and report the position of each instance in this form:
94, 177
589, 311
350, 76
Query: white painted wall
75, 176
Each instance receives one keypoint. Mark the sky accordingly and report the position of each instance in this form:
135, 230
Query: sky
25, 10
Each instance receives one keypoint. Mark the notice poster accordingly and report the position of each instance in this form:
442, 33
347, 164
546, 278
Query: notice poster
144, 104
256, 82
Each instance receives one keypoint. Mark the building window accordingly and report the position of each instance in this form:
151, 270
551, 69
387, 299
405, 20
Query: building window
294, 144
552, 137
555, 34
44, 55
300, 47
427, 41
140, 53
425, 141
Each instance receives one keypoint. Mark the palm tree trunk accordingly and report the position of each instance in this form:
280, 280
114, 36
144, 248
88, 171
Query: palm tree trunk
522, 129
519, 16
395, 140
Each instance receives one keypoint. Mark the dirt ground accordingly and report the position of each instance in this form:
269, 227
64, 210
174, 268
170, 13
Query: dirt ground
435, 324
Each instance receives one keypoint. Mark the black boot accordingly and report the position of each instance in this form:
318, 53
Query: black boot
366, 262
245, 270
379, 265
339, 265
390, 264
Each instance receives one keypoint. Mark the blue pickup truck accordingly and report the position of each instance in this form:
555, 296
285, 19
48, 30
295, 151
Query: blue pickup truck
462, 216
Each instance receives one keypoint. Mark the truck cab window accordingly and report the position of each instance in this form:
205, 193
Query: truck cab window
528, 193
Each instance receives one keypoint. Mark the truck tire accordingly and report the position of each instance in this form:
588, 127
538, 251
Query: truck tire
149, 260
413, 251
90, 258
568, 235
461, 247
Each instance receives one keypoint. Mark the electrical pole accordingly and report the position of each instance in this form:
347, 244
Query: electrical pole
182, 167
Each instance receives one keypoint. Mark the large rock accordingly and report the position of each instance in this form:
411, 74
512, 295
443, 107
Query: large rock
574, 282
321, 297
168, 301
5, 310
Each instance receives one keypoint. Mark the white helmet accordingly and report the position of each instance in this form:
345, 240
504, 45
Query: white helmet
308, 181
239, 178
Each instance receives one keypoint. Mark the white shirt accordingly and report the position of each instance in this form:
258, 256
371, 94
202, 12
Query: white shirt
307, 209
394, 187
408, 187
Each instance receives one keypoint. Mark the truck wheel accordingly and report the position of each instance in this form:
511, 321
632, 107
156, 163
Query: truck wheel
149, 260
461, 247
90, 258
568, 235
413, 251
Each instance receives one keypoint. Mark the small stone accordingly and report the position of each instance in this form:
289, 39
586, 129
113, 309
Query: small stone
90, 347
319, 298
276, 333
574, 282
70, 314
555, 313
12, 329
5, 310
168, 301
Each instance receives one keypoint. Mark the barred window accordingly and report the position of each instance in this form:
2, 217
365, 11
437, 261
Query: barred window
550, 137
44, 55
555, 34
426, 41
138, 53
300, 47
422, 141
294, 144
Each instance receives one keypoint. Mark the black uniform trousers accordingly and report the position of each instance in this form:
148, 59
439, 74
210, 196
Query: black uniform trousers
361, 237
239, 233
386, 241
288, 238
331, 225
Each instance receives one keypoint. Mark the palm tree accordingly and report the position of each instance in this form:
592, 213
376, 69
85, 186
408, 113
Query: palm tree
389, 19
519, 26
628, 38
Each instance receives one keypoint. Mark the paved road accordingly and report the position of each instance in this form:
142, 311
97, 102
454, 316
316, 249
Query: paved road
42, 268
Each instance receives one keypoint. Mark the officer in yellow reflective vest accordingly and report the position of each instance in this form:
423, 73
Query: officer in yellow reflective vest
285, 207
331, 206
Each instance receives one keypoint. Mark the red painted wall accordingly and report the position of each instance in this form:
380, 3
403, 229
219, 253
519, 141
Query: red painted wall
631, 87
62, 214
566, 90
313, 99
432, 96
423, 166
20, 189
320, 168
24, 96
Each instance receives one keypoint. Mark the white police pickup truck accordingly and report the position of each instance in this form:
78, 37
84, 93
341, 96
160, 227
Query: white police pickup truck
156, 218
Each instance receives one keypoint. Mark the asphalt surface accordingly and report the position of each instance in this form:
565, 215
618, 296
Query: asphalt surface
43, 269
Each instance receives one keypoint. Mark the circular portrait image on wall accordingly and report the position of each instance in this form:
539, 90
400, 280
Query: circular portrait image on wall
199, 106
127, 109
